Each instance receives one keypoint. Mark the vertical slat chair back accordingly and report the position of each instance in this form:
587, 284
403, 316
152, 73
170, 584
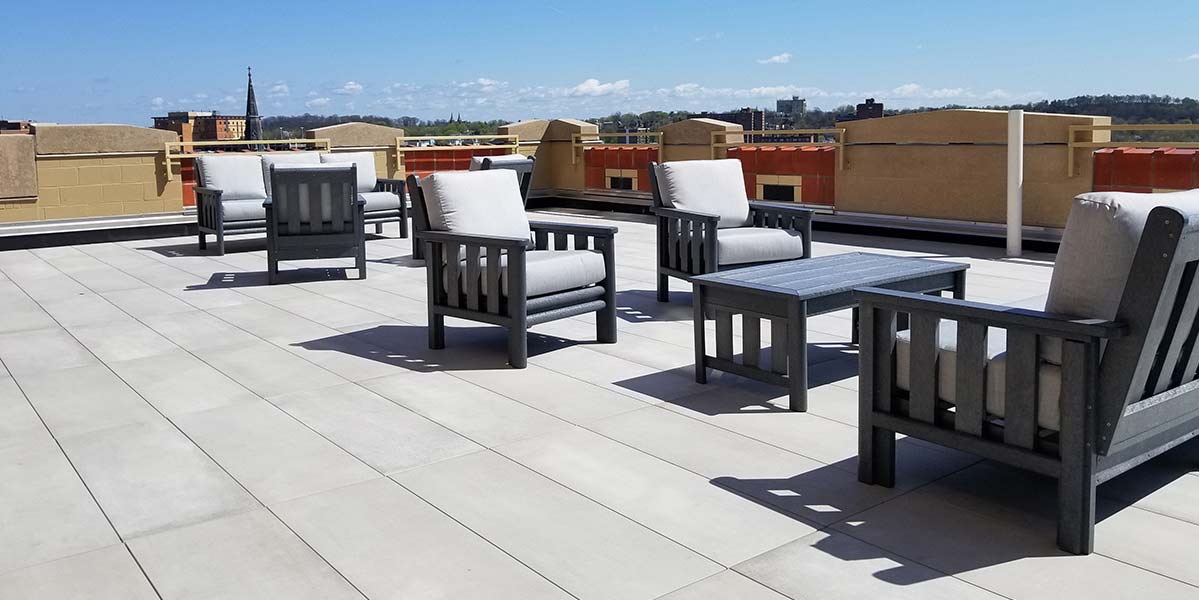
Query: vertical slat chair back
1157, 361
314, 200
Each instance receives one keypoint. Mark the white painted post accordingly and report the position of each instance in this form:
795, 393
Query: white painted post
1015, 182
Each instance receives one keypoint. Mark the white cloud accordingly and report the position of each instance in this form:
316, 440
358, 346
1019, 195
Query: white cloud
1191, 58
593, 87
349, 88
483, 85
157, 102
317, 102
777, 59
279, 90
229, 100
200, 96
705, 37
915, 90
687, 89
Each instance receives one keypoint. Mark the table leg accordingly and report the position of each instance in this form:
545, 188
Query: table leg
797, 354
697, 306
959, 285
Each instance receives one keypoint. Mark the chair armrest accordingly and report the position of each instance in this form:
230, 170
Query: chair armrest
781, 208
207, 190
446, 237
598, 231
993, 315
686, 215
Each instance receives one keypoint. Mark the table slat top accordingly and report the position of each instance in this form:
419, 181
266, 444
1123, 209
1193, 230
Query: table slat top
810, 278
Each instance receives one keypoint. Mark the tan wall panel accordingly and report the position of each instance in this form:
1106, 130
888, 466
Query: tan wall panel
74, 187
18, 177
356, 134
87, 139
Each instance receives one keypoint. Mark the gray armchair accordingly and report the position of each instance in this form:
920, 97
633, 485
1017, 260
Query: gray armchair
486, 262
314, 212
706, 223
1100, 381
233, 187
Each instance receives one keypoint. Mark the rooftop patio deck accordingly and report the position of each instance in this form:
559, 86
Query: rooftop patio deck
171, 426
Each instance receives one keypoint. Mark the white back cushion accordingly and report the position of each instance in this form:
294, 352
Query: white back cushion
288, 158
365, 161
715, 187
478, 202
1095, 256
476, 162
239, 177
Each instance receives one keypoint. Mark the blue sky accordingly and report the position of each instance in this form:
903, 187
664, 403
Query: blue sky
127, 61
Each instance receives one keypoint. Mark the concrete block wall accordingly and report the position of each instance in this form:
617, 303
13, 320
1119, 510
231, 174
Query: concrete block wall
75, 171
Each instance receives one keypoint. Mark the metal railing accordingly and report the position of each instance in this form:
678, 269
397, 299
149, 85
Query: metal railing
510, 141
173, 152
720, 140
1073, 144
577, 143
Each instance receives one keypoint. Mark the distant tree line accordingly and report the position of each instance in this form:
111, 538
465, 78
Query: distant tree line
1130, 109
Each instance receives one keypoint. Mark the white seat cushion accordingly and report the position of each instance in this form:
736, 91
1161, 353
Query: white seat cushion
376, 201
365, 161
476, 162
757, 244
239, 177
477, 202
549, 271
244, 210
1049, 376
286, 158
715, 187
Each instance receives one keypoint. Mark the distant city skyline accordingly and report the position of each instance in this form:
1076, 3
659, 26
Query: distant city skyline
88, 62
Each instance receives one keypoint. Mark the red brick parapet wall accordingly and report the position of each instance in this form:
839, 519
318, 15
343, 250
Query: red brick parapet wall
1145, 169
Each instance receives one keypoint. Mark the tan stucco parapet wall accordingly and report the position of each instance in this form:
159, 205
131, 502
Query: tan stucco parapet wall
561, 130
955, 126
18, 175
356, 134
93, 139
691, 139
532, 130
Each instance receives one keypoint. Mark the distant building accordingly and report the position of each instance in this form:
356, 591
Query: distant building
13, 126
869, 109
203, 126
795, 107
750, 119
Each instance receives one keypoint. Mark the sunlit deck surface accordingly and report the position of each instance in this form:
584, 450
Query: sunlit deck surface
171, 426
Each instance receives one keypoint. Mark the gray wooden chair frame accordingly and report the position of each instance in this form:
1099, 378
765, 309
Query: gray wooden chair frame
515, 311
524, 172
687, 240
210, 215
289, 238
1129, 387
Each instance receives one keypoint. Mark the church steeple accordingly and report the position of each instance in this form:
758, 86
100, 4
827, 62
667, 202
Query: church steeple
253, 121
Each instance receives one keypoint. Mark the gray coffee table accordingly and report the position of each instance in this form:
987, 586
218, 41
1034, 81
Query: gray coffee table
787, 293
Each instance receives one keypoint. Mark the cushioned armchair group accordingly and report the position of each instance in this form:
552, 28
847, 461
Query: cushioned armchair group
706, 222
233, 188
486, 262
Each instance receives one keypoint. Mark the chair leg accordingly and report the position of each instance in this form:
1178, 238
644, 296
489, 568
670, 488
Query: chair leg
203, 241
518, 345
1076, 515
605, 324
272, 270
378, 229
360, 263
220, 242
854, 334
876, 455
403, 226
436, 331
663, 288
